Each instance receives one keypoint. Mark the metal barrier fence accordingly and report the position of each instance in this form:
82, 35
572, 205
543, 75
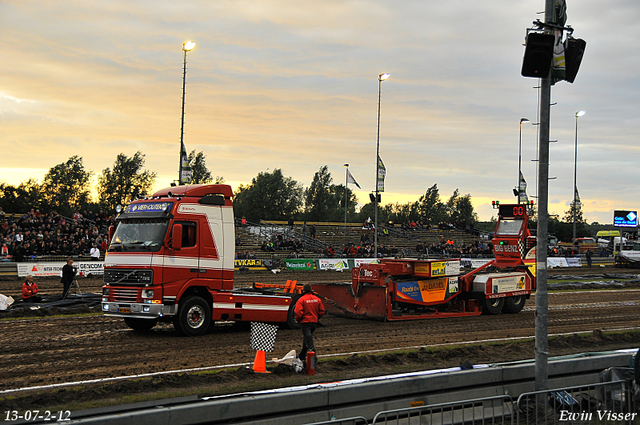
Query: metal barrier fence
479, 411
356, 420
606, 402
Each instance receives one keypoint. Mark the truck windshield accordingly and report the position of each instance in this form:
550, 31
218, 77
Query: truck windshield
508, 227
139, 235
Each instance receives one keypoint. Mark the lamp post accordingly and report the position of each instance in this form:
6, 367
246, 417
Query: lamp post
575, 174
381, 78
346, 184
187, 46
520, 157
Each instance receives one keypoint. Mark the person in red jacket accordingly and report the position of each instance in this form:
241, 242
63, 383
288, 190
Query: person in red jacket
29, 291
308, 310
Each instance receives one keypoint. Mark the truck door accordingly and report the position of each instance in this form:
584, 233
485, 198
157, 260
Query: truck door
212, 240
182, 265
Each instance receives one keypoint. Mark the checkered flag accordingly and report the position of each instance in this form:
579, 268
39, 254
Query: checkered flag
263, 336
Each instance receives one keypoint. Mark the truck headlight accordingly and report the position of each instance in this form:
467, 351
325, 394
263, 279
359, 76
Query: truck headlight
147, 293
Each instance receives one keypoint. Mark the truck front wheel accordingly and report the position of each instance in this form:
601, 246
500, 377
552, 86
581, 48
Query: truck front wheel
493, 305
194, 316
140, 325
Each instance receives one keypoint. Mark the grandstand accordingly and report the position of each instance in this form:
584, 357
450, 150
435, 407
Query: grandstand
253, 235
50, 237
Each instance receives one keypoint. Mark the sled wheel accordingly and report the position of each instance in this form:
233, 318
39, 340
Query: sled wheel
493, 305
514, 305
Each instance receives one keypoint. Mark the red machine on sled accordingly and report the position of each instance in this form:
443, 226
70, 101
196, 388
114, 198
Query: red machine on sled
418, 289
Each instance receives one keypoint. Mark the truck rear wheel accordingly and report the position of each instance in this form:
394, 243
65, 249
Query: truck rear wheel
514, 305
140, 325
493, 305
194, 316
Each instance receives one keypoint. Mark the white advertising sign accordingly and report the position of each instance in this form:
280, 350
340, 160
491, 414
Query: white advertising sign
333, 264
360, 261
85, 268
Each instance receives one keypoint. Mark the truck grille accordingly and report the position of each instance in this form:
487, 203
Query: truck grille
122, 295
128, 277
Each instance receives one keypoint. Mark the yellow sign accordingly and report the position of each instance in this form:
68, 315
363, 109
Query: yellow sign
438, 268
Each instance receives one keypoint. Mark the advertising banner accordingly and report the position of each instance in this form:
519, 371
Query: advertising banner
85, 268
427, 291
474, 263
445, 268
333, 264
557, 262
508, 284
574, 262
300, 263
357, 262
253, 264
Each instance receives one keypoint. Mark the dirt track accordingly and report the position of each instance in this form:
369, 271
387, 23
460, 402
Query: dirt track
53, 350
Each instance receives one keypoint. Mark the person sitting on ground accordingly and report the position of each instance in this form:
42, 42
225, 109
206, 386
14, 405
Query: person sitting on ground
29, 291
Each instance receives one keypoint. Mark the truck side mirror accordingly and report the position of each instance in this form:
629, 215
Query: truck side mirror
176, 236
112, 230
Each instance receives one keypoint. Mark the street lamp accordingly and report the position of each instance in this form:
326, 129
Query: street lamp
382, 77
346, 184
520, 157
187, 46
575, 174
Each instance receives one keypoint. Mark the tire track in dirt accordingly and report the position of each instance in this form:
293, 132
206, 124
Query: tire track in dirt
52, 350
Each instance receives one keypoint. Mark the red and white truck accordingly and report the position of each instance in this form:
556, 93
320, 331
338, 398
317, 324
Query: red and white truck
171, 258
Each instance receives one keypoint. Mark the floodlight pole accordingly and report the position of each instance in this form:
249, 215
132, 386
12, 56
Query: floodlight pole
186, 47
520, 157
542, 235
381, 78
575, 175
346, 185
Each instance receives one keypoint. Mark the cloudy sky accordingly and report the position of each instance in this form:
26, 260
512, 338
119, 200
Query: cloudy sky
293, 85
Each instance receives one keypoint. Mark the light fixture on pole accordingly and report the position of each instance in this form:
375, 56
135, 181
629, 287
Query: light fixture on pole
382, 77
187, 46
346, 184
575, 175
517, 191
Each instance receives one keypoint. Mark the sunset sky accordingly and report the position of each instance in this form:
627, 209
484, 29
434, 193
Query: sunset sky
294, 85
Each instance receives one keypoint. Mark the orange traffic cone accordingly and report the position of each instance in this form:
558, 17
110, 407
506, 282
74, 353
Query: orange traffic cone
260, 362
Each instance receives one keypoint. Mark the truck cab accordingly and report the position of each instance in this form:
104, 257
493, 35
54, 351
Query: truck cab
171, 258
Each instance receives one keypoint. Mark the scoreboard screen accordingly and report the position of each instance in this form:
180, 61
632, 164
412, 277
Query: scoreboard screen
625, 218
512, 210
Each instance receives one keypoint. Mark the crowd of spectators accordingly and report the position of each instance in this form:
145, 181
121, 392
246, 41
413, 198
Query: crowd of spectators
282, 243
447, 248
34, 234
366, 249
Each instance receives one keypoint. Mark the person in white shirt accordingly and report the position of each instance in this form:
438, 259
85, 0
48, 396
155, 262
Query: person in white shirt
95, 253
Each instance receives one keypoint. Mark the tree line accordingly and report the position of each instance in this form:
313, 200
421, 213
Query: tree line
273, 196
68, 187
